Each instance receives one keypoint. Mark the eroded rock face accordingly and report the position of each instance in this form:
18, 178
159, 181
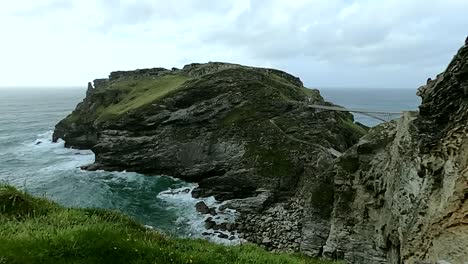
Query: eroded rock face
401, 193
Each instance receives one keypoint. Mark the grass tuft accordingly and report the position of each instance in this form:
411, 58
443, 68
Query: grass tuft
20, 205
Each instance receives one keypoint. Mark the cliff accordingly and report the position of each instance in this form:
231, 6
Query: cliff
401, 193
244, 134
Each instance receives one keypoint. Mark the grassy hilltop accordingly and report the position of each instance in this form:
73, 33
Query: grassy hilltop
35, 230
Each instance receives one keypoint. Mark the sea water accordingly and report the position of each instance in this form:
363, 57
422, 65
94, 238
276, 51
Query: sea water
381, 100
32, 162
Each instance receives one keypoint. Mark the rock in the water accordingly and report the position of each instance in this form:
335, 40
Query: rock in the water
209, 223
212, 211
230, 226
201, 207
224, 236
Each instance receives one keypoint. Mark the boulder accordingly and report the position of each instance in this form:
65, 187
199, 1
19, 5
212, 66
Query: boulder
209, 223
202, 208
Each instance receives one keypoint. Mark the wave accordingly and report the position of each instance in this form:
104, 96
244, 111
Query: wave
182, 198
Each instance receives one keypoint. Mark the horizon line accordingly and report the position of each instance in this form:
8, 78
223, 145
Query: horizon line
85, 86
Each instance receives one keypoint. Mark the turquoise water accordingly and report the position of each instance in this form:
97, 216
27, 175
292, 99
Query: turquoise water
28, 117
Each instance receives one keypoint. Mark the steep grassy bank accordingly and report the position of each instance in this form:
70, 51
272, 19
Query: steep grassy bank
34, 230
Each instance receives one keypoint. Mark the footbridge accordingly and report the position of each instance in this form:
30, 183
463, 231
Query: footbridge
379, 115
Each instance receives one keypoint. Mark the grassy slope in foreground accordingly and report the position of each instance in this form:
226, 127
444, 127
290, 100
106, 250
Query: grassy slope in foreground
34, 230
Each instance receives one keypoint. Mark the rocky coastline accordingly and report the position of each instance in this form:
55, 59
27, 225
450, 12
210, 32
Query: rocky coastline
301, 180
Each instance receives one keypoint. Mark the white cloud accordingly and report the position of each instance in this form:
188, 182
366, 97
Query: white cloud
387, 43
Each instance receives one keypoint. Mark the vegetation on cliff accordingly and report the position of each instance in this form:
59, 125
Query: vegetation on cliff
34, 230
138, 93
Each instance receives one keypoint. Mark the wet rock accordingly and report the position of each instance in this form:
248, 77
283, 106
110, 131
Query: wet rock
222, 226
224, 236
212, 211
230, 226
201, 207
209, 224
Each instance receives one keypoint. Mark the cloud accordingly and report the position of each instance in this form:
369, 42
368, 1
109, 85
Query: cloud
118, 13
327, 42
44, 9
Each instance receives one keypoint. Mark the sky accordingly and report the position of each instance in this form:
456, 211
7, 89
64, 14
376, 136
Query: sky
327, 43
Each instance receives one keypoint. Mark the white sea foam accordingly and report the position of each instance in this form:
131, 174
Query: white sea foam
69, 158
181, 198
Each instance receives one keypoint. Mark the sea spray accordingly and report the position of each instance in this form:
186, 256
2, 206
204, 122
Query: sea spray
182, 198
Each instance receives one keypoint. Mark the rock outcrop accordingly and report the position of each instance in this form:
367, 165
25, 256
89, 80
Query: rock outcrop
401, 193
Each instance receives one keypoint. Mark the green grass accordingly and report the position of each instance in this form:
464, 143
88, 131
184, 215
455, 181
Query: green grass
34, 230
139, 93
349, 124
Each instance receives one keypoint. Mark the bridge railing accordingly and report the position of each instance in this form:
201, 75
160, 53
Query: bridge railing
383, 116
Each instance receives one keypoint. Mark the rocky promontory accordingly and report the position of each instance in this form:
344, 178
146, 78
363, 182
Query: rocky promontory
244, 134
237, 131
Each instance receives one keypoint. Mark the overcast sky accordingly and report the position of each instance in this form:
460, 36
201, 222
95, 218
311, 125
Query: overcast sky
327, 43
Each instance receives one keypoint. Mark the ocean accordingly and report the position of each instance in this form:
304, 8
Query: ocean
382, 100
30, 161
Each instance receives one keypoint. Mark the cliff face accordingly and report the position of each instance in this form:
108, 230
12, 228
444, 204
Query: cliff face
238, 131
401, 193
